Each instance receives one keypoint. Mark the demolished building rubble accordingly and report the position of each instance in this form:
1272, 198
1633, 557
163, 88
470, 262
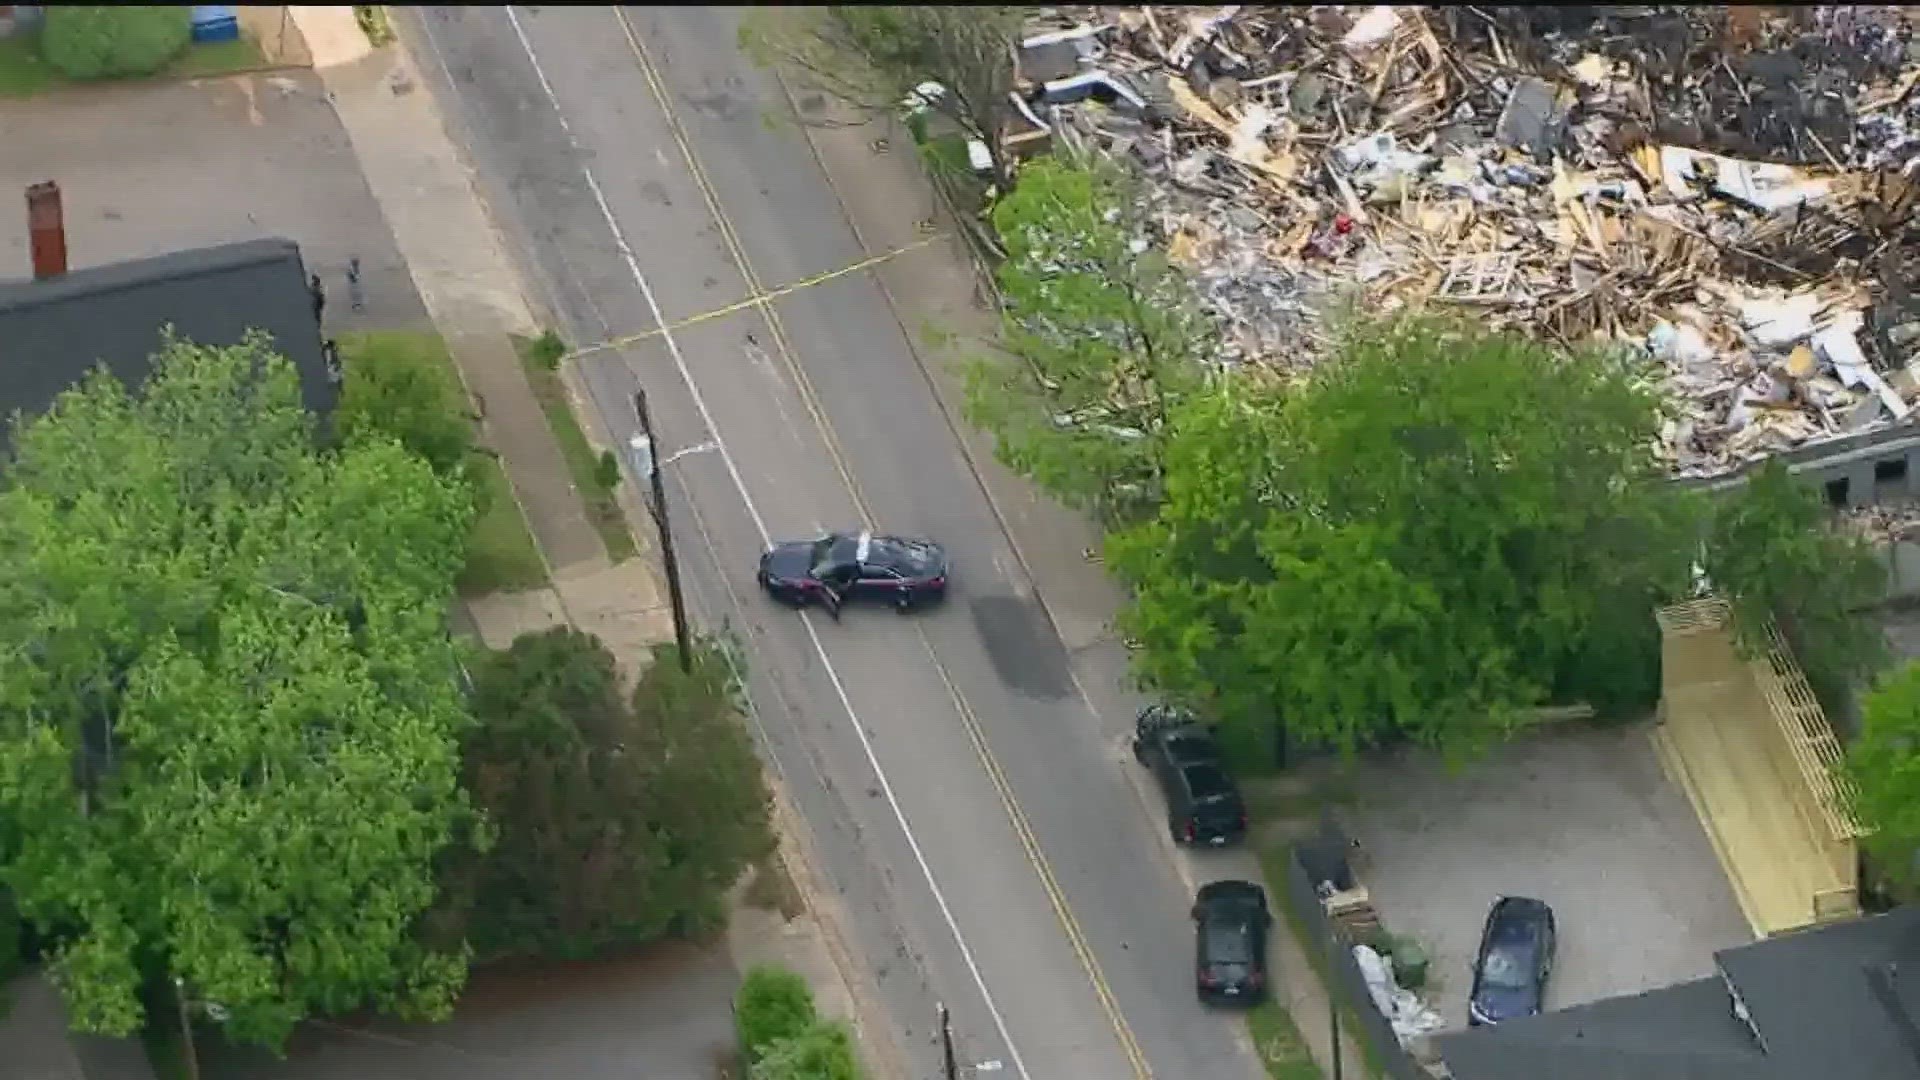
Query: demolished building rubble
1729, 191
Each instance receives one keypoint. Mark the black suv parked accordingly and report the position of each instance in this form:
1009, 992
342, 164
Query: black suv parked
1203, 805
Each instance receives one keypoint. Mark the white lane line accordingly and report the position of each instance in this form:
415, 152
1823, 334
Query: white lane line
766, 540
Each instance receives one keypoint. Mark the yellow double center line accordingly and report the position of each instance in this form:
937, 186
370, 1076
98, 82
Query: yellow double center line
759, 298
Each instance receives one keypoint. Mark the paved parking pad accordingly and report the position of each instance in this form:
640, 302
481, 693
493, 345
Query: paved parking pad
148, 169
1583, 818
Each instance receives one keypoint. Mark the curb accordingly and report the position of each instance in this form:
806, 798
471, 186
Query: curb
794, 844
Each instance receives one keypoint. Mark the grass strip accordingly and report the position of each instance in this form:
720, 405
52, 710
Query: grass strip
603, 509
502, 555
23, 73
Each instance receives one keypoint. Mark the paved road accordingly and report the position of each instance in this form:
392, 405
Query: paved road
905, 742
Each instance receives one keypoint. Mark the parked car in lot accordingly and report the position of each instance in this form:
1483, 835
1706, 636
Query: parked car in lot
1203, 803
1515, 960
1230, 920
840, 566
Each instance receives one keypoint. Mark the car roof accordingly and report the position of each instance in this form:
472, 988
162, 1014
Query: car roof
1206, 778
904, 553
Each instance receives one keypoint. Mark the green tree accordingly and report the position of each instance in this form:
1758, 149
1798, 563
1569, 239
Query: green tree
1883, 764
612, 825
823, 1051
402, 387
1777, 553
1440, 529
875, 58
113, 42
229, 708
1107, 334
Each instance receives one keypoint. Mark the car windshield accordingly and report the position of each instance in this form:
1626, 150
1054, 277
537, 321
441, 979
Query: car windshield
838, 549
1229, 943
822, 547
1509, 968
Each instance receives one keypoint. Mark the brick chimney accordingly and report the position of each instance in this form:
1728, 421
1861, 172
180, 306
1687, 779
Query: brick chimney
46, 230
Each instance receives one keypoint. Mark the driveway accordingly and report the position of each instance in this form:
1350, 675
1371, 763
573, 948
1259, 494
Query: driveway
665, 1013
1581, 817
151, 169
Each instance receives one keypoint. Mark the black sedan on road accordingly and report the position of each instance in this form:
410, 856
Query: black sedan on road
1230, 920
1515, 959
855, 565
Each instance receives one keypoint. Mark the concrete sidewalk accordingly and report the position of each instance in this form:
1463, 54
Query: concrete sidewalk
885, 194
464, 278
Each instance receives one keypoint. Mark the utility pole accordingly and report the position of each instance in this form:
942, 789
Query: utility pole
649, 463
186, 1028
1333, 1021
946, 1043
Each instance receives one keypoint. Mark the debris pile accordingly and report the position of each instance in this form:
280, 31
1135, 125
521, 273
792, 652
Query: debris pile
1883, 525
1731, 191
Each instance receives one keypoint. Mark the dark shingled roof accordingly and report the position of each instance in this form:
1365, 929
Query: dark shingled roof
53, 331
1837, 1002
1814, 997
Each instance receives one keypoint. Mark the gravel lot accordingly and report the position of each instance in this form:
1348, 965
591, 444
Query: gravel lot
1583, 818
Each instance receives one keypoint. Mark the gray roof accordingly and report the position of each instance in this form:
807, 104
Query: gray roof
1813, 995
1838, 1002
53, 331
1682, 1032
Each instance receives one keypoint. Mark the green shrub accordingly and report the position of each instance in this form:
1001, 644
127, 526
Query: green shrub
113, 42
823, 1051
772, 1005
547, 350
373, 23
606, 472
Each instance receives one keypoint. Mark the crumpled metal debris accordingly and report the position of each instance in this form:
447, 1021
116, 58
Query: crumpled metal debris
1729, 191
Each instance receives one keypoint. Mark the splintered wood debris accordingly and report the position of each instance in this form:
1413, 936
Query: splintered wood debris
1727, 191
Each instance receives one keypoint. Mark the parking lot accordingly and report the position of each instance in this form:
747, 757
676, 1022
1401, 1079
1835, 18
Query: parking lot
1583, 818
152, 168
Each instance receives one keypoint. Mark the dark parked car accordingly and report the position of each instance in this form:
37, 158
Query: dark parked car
849, 565
1230, 921
1203, 803
1516, 957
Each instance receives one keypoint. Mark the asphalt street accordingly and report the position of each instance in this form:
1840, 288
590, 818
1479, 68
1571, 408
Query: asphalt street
968, 804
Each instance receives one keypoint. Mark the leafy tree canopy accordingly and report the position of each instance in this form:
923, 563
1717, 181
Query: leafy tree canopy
402, 387
614, 823
1107, 336
1775, 551
875, 58
1438, 530
1884, 765
229, 714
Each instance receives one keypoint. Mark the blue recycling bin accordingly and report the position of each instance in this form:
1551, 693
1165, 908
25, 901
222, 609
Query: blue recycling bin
215, 22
